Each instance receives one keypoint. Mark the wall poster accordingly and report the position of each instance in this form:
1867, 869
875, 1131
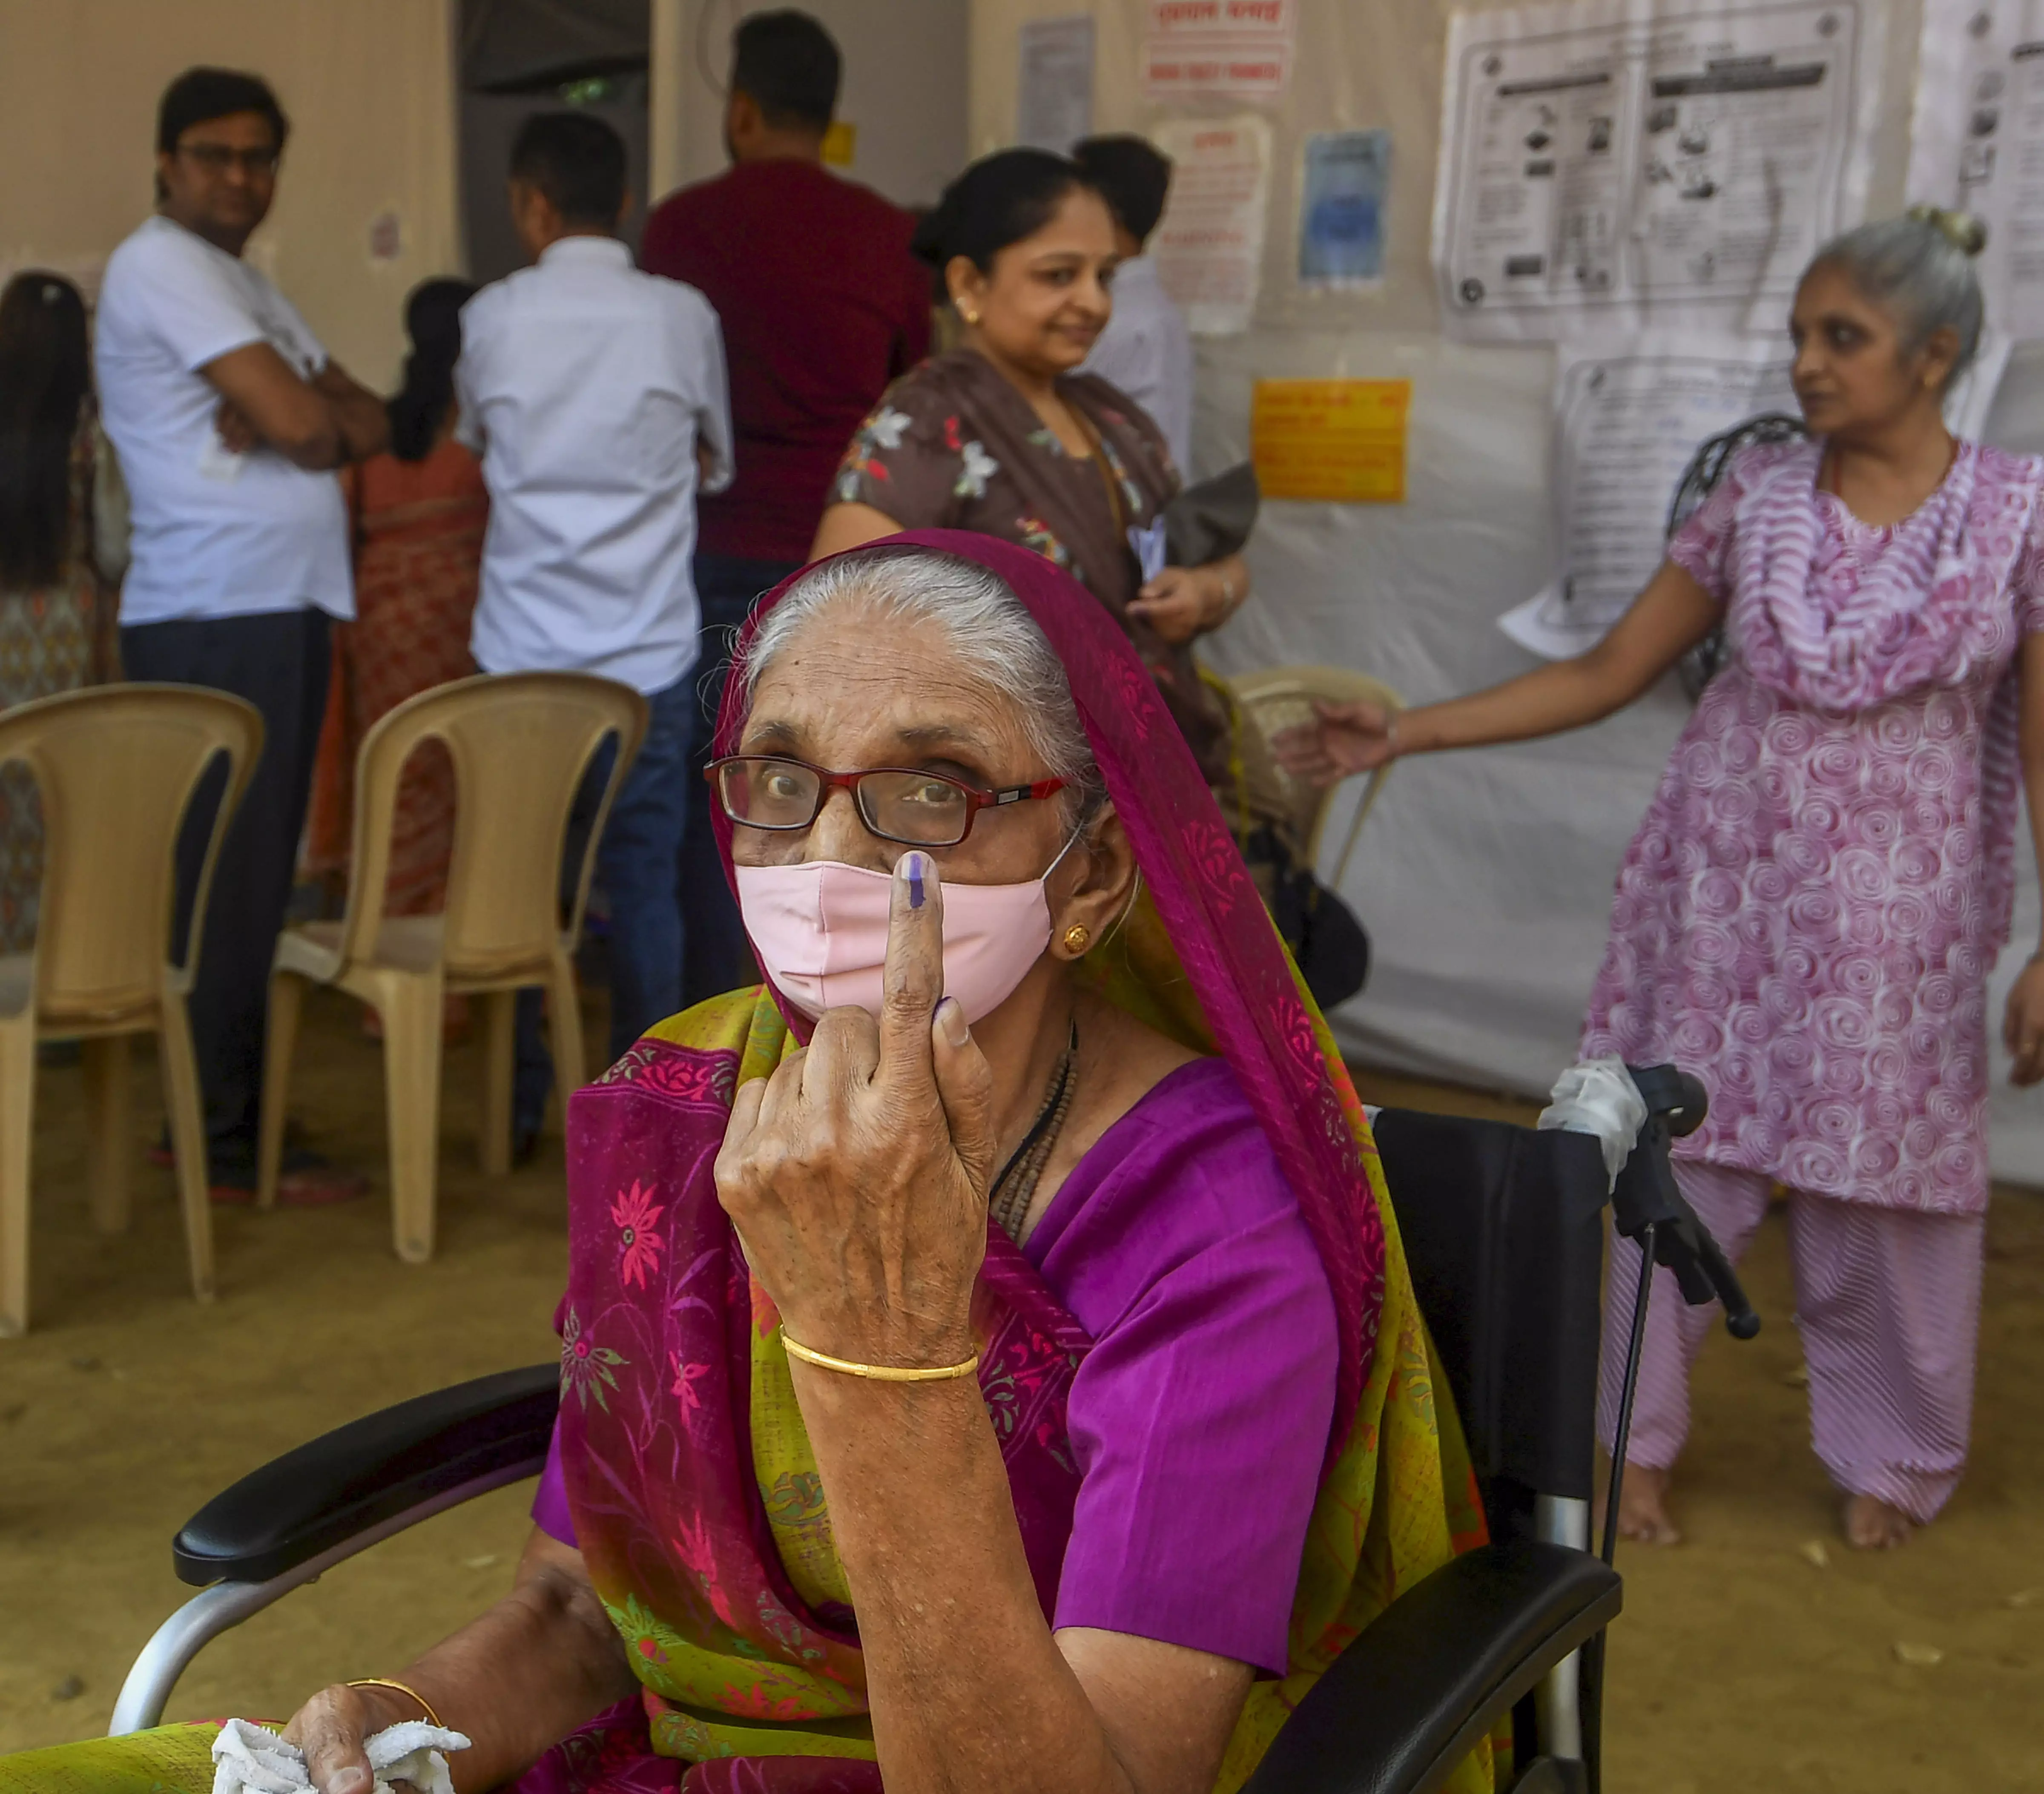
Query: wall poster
1208, 245
1341, 208
1054, 96
1338, 442
1233, 50
1977, 142
1633, 161
1629, 417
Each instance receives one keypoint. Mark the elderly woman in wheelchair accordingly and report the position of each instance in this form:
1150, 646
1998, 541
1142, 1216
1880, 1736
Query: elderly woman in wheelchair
989, 1360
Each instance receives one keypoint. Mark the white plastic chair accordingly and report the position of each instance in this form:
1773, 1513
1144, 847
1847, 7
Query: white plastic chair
1280, 697
520, 743
115, 768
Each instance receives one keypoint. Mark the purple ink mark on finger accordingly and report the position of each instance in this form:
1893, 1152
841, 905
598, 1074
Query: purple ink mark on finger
916, 881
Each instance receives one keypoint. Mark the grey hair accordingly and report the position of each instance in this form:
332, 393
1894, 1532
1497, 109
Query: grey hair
1919, 268
989, 625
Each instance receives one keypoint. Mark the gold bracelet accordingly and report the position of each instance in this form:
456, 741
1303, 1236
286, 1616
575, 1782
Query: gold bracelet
879, 1372
402, 1688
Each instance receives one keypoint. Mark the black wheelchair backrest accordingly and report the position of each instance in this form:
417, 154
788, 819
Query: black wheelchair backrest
1503, 1235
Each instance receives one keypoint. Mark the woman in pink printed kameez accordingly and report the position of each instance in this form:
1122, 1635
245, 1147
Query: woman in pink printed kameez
1808, 914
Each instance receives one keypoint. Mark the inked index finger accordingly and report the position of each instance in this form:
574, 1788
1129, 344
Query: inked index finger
912, 983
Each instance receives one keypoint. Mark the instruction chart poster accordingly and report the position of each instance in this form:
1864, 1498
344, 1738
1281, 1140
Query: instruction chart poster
1208, 245
1977, 143
1341, 208
1054, 96
1234, 50
1339, 442
1627, 421
1643, 161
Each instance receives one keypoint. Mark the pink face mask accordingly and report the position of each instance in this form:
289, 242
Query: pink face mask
820, 931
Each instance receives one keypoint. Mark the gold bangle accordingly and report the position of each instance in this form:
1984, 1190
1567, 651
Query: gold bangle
402, 1688
879, 1372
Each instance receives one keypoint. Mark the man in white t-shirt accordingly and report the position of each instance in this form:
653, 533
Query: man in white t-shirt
1146, 349
597, 397
229, 420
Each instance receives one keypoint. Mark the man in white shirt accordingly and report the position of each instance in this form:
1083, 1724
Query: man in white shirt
597, 397
229, 420
1146, 349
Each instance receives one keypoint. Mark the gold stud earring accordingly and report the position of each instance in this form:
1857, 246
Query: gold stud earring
972, 319
1078, 937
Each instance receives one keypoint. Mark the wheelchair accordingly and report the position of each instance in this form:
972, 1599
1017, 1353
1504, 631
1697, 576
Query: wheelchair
1503, 1232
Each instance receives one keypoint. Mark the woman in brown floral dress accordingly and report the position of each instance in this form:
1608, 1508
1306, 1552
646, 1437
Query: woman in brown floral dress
1002, 437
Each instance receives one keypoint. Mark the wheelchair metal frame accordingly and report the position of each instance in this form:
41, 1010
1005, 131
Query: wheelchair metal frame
224, 1605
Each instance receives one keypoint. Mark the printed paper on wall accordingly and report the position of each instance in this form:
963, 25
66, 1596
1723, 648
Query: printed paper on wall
1637, 162
1234, 50
1208, 245
1341, 208
1627, 420
1629, 417
1053, 99
1977, 143
1339, 442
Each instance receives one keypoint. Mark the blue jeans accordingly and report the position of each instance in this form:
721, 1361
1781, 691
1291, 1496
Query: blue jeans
638, 863
277, 660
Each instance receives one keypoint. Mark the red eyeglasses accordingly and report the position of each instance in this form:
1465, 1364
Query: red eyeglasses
919, 809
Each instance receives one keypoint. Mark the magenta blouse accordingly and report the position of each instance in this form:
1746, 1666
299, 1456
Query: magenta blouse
1201, 1415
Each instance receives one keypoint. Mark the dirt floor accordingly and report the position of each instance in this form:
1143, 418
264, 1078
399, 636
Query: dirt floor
1761, 1654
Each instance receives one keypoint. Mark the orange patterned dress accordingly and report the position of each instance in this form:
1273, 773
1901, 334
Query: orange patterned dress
418, 529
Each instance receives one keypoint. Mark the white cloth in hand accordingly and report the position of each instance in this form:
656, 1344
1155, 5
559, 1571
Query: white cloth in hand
250, 1759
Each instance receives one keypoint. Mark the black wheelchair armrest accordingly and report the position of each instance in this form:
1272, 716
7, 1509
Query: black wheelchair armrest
1410, 1697
367, 1472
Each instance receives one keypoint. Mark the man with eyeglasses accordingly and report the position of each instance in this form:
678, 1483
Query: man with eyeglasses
230, 419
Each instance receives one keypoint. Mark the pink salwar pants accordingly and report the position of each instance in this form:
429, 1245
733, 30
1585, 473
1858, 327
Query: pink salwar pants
1888, 1303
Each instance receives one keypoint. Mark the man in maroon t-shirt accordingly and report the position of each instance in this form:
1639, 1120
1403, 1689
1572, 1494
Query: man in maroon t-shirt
822, 305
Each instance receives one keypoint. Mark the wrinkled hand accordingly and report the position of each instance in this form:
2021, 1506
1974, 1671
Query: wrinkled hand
237, 436
1175, 604
330, 1728
857, 1174
2022, 1027
1347, 739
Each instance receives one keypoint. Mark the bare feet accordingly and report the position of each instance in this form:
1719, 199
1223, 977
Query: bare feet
1643, 1508
1872, 1525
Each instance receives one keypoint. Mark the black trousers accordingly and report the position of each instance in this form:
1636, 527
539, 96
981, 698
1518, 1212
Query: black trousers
715, 955
279, 662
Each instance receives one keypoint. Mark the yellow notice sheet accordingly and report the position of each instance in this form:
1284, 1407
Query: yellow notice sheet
1339, 442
